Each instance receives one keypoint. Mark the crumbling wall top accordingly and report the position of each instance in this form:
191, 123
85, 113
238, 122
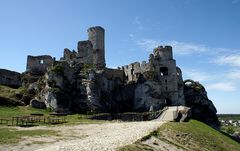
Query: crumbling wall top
165, 53
10, 78
38, 65
95, 28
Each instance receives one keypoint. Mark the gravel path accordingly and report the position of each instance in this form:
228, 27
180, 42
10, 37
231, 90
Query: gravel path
87, 137
102, 137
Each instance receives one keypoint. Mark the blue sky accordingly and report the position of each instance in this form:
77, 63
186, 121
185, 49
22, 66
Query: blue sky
204, 34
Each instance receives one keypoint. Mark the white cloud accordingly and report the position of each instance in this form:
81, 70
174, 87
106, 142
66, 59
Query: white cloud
234, 74
196, 75
232, 60
137, 22
131, 35
147, 44
222, 86
181, 48
187, 48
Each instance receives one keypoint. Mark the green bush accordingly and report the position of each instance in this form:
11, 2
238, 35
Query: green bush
230, 130
87, 67
58, 69
150, 75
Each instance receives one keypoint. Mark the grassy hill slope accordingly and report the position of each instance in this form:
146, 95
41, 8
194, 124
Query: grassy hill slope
193, 135
8, 95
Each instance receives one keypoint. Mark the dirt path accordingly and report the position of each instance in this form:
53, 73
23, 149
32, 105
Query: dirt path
91, 137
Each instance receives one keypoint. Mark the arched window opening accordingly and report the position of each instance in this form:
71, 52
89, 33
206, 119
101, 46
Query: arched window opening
41, 61
164, 71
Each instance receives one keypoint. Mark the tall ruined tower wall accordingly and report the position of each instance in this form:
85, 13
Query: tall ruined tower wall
169, 75
96, 37
166, 68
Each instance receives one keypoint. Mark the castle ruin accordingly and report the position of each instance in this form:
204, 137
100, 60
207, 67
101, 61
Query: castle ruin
38, 65
91, 51
80, 82
160, 67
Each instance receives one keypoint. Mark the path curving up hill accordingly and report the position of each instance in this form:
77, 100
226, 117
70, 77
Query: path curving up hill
93, 137
105, 136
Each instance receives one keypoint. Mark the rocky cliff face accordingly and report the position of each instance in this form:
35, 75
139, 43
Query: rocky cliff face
147, 96
202, 108
81, 89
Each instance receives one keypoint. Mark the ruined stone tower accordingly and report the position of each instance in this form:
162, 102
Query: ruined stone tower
167, 75
167, 72
96, 37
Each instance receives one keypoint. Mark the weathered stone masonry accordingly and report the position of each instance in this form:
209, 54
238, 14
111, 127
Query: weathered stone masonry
80, 82
38, 65
169, 76
91, 51
10, 78
161, 66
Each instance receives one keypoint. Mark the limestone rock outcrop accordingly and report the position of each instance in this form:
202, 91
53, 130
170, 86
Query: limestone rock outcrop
201, 107
148, 97
37, 104
80, 82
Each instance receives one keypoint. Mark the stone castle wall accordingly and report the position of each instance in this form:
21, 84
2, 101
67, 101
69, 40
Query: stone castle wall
169, 76
96, 36
91, 51
10, 78
85, 52
38, 65
113, 74
160, 72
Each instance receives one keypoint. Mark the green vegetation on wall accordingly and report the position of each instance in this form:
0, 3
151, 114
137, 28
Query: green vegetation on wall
150, 75
57, 69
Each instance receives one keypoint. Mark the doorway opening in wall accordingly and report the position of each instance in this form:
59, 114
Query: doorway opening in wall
163, 71
168, 102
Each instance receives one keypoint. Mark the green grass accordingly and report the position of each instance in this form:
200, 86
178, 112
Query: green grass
82, 119
193, 135
11, 135
201, 135
8, 112
9, 92
230, 129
